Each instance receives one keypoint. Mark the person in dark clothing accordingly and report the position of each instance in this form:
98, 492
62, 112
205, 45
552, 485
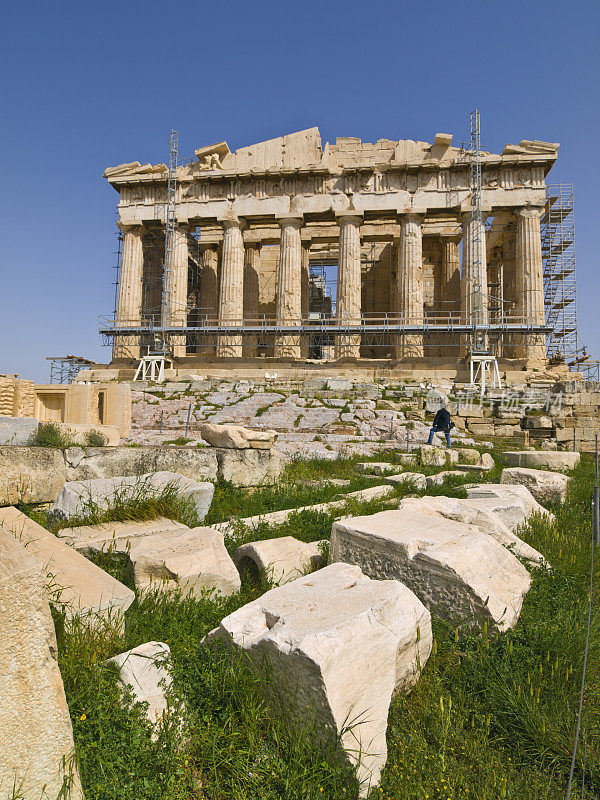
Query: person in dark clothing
441, 422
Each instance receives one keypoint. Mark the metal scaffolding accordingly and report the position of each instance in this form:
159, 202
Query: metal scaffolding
64, 369
167, 277
560, 291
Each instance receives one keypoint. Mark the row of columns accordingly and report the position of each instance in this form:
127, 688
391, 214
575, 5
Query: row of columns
237, 297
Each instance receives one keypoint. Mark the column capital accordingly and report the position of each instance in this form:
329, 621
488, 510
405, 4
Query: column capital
138, 230
530, 212
350, 213
231, 222
453, 238
290, 219
411, 216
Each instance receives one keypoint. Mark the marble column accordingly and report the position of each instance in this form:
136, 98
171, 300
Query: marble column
450, 289
409, 292
129, 295
251, 297
289, 282
231, 292
474, 301
208, 303
178, 289
530, 280
348, 308
305, 297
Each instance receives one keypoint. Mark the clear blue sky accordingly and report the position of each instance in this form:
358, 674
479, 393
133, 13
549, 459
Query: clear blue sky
89, 85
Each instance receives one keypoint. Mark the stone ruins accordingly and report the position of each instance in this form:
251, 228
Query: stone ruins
260, 232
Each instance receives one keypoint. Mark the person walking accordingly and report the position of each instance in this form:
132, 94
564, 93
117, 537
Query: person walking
441, 422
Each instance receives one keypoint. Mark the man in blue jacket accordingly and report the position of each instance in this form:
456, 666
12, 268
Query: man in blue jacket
441, 422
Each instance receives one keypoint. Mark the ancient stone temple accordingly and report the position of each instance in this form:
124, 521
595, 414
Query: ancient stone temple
299, 251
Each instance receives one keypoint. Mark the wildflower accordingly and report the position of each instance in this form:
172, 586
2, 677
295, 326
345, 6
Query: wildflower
83, 717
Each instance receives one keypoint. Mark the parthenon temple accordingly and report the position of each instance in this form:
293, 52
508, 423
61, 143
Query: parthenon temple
296, 251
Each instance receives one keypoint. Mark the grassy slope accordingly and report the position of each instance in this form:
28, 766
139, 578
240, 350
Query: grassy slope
490, 718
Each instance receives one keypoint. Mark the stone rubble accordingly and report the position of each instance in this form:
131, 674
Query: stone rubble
545, 486
73, 583
144, 671
278, 560
469, 513
114, 537
452, 567
77, 498
336, 646
558, 462
514, 504
237, 437
36, 736
193, 561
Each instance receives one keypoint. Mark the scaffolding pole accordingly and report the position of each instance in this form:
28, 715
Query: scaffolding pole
169, 241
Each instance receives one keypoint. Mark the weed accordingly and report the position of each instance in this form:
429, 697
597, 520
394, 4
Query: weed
49, 435
95, 439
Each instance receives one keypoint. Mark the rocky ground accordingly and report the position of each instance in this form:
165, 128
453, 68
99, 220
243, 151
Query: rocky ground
311, 423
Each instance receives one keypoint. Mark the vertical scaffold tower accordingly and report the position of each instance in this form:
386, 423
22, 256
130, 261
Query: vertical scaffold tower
169, 237
483, 364
152, 366
560, 293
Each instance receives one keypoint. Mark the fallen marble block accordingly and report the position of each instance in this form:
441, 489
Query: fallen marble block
143, 670
438, 480
78, 498
452, 567
433, 456
30, 474
193, 561
278, 560
469, 455
546, 487
469, 513
73, 583
375, 467
237, 437
415, 479
37, 753
335, 645
514, 504
114, 537
561, 461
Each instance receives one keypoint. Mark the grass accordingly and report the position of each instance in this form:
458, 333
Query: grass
490, 718
138, 502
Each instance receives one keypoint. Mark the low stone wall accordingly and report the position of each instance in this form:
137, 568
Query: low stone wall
37, 474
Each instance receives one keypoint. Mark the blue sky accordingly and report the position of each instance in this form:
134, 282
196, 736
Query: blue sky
89, 85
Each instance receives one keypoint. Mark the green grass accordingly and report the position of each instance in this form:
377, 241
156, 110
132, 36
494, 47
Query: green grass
139, 502
230, 502
490, 718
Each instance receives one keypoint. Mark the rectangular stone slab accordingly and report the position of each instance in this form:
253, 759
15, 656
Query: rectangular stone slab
333, 647
76, 498
193, 560
542, 459
114, 536
36, 737
84, 589
452, 567
30, 474
513, 503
